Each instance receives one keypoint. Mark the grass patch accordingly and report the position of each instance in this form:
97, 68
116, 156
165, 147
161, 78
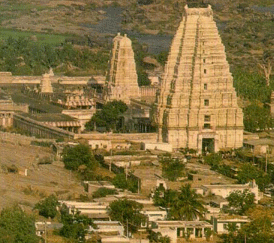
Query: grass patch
21, 7
46, 38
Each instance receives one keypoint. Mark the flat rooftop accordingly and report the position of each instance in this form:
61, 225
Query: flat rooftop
38, 104
49, 117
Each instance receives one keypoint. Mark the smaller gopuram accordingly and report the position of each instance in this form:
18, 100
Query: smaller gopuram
46, 86
122, 80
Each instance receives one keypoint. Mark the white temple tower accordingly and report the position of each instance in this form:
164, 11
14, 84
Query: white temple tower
197, 105
46, 86
122, 80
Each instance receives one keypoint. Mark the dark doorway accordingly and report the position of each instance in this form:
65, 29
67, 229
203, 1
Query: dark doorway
208, 145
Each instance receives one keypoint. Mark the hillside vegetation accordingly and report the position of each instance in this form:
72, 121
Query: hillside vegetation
58, 34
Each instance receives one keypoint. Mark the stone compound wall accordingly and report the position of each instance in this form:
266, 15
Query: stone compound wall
134, 137
15, 138
39, 129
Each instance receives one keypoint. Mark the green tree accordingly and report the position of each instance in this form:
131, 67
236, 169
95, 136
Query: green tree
164, 198
187, 205
213, 159
257, 231
123, 182
102, 192
75, 226
128, 213
157, 237
162, 57
108, 116
251, 86
16, 226
78, 155
48, 206
248, 172
257, 118
172, 168
239, 202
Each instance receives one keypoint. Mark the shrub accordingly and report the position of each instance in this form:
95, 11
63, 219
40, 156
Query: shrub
102, 192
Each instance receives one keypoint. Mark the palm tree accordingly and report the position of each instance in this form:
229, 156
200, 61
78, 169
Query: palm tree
187, 205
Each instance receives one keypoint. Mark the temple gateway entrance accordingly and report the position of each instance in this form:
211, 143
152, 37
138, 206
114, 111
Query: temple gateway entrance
208, 145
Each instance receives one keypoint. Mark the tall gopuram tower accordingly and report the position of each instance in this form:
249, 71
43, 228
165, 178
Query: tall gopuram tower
197, 105
122, 80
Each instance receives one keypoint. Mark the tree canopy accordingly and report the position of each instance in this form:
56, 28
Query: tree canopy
248, 172
78, 155
23, 56
123, 182
172, 168
188, 205
257, 118
16, 226
75, 226
108, 116
48, 206
128, 213
184, 204
239, 202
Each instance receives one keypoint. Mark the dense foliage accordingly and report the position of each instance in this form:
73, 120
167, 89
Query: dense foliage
102, 192
139, 54
239, 202
23, 56
108, 116
248, 172
251, 86
257, 118
48, 206
172, 169
258, 230
124, 182
184, 204
128, 213
157, 237
75, 226
16, 226
78, 155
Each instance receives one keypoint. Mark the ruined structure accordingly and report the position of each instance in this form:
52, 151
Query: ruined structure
7, 109
197, 105
121, 82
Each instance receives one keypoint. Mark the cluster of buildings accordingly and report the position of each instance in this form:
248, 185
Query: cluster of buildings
156, 217
194, 106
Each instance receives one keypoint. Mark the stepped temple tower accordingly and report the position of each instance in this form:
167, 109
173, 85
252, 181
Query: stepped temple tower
122, 80
197, 105
46, 86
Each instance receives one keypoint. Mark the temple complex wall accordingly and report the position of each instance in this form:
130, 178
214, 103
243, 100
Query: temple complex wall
39, 129
8, 78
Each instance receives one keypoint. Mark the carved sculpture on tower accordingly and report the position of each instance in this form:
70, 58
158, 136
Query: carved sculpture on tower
197, 105
122, 80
